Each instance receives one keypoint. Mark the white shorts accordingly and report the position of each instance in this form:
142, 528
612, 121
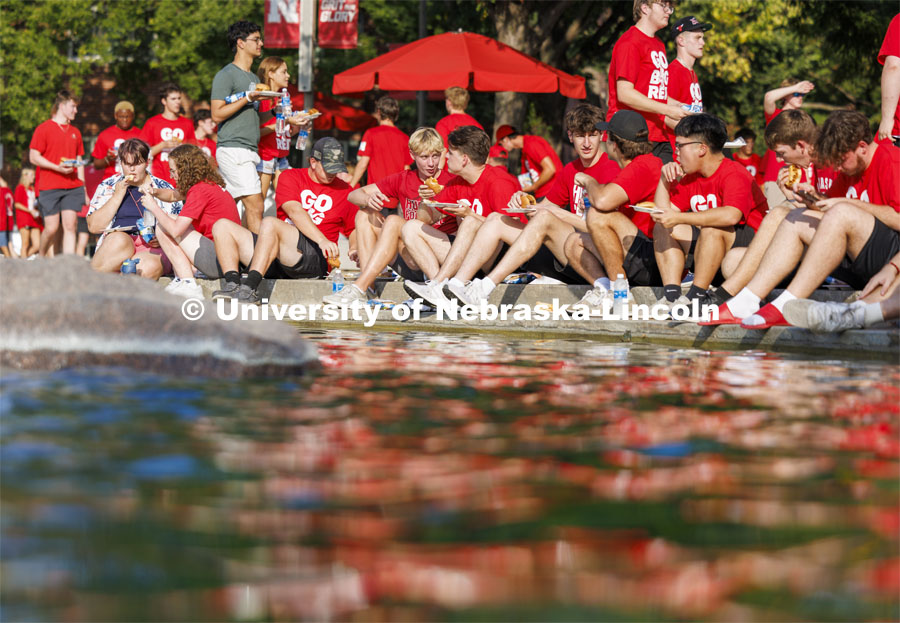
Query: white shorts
238, 166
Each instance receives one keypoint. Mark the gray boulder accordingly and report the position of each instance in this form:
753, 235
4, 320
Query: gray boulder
58, 313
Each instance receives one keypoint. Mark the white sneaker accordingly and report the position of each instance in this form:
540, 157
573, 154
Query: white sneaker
831, 317
187, 288
347, 296
595, 297
472, 294
430, 292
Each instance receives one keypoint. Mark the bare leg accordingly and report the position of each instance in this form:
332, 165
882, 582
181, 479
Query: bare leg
234, 245
116, 248
785, 251
385, 250
253, 211
427, 246
485, 246
150, 266
182, 265
265, 179
70, 230
711, 246
543, 229
671, 247
48, 236
369, 224
739, 265
276, 239
611, 233
583, 256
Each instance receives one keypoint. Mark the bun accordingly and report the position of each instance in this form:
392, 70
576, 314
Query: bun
312, 111
433, 185
794, 175
261, 87
646, 204
527, 200
334, 262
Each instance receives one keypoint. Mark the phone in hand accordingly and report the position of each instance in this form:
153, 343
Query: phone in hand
810, 197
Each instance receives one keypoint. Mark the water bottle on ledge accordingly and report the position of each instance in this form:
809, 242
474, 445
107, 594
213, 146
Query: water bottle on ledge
337, 280
620, 293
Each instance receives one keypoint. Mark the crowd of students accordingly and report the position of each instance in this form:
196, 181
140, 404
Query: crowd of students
442, 210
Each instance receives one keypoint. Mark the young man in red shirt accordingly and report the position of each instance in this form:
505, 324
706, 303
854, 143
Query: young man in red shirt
539, 245
106, 148
166, 131
478, 190
204, 133
619, 240
60, 185
540, 163
639, 74
855, 228
889, 56
744, 155
456, 100
313, 211
793, 94
707, 192
383, 149
684, 87
377, 235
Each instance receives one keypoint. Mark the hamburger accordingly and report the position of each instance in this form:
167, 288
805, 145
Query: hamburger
433, 185
527, 200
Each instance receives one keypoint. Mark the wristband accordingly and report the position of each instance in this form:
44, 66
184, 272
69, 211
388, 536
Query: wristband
249, 101
895, 266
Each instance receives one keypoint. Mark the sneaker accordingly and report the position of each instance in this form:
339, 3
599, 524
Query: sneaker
595, 297
228, 292
187, 288
246, 294
826, 317
349, 295
430, 292
473, 293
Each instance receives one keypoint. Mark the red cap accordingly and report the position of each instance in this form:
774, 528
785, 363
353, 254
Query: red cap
497, 152
505, 130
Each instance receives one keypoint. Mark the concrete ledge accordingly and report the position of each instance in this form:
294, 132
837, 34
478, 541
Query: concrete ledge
876, 342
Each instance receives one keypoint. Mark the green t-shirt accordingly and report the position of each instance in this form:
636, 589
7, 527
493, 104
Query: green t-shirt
242, 128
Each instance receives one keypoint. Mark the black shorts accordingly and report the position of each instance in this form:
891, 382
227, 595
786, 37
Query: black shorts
545, 263
312, 263
882, 245
743, 235
689, 258
53, 201
402, 268
663, 151
640, 262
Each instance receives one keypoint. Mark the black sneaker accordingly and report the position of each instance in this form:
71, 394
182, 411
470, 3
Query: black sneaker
228, 292
246, 294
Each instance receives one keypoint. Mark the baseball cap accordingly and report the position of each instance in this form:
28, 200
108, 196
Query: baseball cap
329, 152
124, 105
625, 124
497, 152
505, 130
688, 24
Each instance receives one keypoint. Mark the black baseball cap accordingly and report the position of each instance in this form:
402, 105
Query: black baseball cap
625, 124
330, 153
688, 24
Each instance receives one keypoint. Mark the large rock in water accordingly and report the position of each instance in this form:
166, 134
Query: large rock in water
58, 313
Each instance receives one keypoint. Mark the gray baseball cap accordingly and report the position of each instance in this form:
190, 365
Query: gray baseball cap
329, 152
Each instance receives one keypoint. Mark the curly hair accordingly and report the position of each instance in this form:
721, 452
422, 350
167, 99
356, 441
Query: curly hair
193, 168
841, 133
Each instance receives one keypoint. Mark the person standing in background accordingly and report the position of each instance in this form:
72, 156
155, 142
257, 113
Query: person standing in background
166, 131
107, 145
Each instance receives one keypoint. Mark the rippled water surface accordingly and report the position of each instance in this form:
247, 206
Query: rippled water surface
424, 477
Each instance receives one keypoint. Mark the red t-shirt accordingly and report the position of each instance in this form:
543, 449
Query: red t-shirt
891, 47
159, 129
26, 197
730, 185
7, 205
326, 204
534, 150
566, 192
404, 186
490, 192
753, 164
449, 123
207, 145
110, 139
683, 84
639, 180
55, 142
206, 203
388, 148
641, 60
879, 184
771, 166
267, 148
823, 178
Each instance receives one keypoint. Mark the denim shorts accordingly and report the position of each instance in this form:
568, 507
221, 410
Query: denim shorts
275, 164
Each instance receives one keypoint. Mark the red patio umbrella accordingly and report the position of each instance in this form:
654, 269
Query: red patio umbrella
457, 59
335, 114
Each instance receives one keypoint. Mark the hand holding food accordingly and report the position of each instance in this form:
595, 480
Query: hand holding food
527, 200
434, 185
794, 174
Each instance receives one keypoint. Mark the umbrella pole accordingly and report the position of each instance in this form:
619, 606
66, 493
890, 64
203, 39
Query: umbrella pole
305, 62
420, 95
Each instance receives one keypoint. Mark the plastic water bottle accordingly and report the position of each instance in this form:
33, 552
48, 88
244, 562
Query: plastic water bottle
286, 108
337, 280
302, 139
620, 293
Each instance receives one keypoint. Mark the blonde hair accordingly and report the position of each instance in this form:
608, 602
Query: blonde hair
268, 65
458, 96
426, 141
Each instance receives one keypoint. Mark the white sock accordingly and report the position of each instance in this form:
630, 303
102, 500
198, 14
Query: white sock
873, 315
783, 298
456, 282
603, 284
487, 286
744, 303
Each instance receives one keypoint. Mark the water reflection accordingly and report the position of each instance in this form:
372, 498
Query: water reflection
442, 477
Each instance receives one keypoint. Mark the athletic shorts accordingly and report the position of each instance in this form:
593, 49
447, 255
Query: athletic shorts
52, 202
882, 245
238, 167
312, 263
743, 235
640, 262
270, 166
545, 263
402, 268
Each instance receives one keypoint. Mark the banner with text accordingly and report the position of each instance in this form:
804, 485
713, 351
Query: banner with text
282, 27
338, 23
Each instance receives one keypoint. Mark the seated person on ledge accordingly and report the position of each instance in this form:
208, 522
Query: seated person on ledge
117, 203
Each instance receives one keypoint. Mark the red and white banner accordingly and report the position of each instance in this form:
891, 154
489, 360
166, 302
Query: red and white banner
282, 27
338, 21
